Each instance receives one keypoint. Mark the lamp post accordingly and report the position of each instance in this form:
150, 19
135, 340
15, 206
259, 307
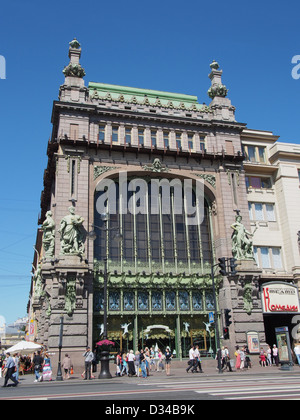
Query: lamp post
59, 376
219, 358
104, 355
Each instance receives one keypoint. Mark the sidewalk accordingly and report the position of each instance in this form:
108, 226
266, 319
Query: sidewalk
178, 371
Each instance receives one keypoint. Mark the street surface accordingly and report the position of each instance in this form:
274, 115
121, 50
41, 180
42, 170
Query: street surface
254, 384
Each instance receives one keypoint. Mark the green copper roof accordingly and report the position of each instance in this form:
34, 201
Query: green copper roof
144, 96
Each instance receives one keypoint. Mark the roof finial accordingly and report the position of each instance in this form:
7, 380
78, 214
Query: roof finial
74, 68
74, 44
217, 88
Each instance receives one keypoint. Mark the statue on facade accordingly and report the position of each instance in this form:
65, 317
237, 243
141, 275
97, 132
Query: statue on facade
48, 235
71, 237
242, 244
38, 284
125, 328
70, 300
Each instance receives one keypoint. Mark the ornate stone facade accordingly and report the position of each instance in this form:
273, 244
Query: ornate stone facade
159, 275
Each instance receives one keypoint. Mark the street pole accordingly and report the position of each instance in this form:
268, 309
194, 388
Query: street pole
59, 376
104, 355
216, 321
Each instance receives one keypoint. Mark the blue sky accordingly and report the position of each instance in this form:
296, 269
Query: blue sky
164, 45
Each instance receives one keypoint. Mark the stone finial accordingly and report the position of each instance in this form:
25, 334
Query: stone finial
74, 69
217, 88
74, 44
214, 65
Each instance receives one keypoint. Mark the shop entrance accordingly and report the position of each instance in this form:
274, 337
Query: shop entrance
273, 321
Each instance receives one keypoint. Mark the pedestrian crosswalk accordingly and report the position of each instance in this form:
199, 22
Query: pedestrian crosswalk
254, 388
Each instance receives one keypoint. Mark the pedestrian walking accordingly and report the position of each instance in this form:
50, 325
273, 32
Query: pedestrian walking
118, 364
238, 358
67, 366
88, 358
10, 370
38, 362
242, 356
275, 355
191, 361
17, 363
160, 363
168, 358
262, 358
47, 369
131, 359
143, 364
137, 363
227, 360
269, 356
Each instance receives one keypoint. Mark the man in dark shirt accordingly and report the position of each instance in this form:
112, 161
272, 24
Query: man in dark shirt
38, 365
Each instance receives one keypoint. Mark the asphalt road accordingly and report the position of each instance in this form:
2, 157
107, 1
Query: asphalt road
180, 391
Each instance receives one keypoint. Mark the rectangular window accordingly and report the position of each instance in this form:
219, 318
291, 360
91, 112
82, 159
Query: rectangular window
251, 154
74, 129
268, 257
250, 211
270, 213
153, 138
101, 135
254, 154
128, 135
258, 182
141, 137
115, 134
259, 215
202, 143
166, 139
265, 257
178, 140
262, 211
277, 263
261, 154
190, 141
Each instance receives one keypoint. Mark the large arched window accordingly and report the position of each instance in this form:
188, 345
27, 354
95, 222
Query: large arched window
154, 241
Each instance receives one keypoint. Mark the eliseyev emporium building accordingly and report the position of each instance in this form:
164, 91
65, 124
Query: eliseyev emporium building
159, 271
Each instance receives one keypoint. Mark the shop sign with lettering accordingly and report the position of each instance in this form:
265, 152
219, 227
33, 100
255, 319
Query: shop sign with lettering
280, 297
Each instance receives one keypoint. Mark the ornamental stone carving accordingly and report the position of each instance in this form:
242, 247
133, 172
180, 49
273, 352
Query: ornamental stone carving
242, 244
48, 228
71, 236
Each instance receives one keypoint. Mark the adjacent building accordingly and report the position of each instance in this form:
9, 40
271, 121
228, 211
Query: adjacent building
117, 150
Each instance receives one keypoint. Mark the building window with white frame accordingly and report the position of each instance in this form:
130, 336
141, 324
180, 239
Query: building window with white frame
202, 143
268, 257
153, 138
178, 140
101, 134
258, 182
127, 135
255, 154
115, 134
262, 212
190, 141
141, 136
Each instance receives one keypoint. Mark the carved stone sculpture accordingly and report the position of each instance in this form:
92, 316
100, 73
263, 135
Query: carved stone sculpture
71, 237
38, 284
48, 235
242, 244
70, 299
